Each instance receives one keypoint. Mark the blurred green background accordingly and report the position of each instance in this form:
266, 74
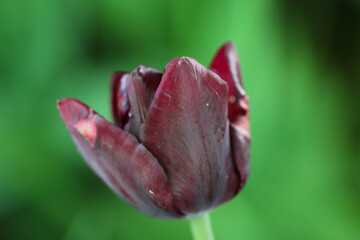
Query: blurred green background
301, 67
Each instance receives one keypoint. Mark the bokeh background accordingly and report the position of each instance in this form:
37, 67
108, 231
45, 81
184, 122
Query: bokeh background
301, 67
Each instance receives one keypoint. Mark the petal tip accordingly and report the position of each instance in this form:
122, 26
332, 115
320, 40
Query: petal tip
229, 44
186, 61
64, 102
60, 104
71, 109
179, 61
227, 48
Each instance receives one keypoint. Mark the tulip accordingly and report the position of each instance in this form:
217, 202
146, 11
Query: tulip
180, 142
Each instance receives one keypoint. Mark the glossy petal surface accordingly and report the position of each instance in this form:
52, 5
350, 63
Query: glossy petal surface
188, 131
126, 166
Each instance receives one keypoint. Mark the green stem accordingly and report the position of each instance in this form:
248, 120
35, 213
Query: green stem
201, 227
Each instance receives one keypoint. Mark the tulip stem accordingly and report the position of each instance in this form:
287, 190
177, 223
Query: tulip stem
201, 227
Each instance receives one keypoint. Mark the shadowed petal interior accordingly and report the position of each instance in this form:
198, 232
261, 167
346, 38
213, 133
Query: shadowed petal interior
143, 82
119, 100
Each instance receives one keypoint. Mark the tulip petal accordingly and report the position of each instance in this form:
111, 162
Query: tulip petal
119, 100
226, 65
142, 86
188, 132
124, 164
241, 145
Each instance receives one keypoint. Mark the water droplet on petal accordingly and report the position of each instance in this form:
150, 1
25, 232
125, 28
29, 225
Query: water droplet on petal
220, 133
151, 192
207, 104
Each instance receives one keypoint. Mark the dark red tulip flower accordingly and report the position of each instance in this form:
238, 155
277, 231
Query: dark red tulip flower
180, 142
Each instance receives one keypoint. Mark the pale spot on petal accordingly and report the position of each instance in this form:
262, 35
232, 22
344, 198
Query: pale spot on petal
232, 99
87, 129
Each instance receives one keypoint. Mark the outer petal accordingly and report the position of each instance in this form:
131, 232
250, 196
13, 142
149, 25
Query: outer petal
187, 130
226, 65
126, 166
141, 89
241, 151
119, 100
